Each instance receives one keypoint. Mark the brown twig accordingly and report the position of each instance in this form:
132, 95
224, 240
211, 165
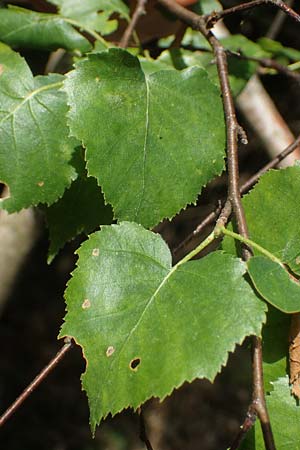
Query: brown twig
215, 16
139, 11
267, 63
178, 36
199, 23
143, 434
247, 425
209, 219
278, 22
36, 382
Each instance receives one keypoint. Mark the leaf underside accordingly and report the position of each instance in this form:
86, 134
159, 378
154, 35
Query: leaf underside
80, 210
152, 141
144, 327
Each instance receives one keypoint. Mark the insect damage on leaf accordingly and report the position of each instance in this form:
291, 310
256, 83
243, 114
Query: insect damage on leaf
134, 363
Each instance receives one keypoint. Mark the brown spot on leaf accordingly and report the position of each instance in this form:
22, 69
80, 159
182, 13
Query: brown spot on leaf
1, 69
40, 183
294, 355
298, 260
110, 350
134, 364
86, 304
95, 252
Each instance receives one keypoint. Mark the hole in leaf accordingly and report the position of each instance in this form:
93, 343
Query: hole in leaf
4, 191
134, 363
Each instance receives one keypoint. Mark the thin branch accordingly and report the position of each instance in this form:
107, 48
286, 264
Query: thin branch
178, 36
215, 16
143, 434
36, 382
232, 127
209, 219
139, 11
267, 63
270, 165
278, 22
247, 425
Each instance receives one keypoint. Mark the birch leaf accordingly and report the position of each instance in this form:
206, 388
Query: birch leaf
146, 327
24, 28
35, 145
152, 141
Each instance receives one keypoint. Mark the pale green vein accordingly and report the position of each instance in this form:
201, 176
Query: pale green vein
145, 143
189, 256
30, 96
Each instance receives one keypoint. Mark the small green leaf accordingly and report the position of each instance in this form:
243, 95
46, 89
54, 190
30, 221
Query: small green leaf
146, 327
80, 210
285, 420
35, 145
93, 14
277, 50
275, 284
24, 28
240, 70
165, 127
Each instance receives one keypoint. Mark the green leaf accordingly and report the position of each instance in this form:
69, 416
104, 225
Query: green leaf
275, 284
240, 71
275, 346
86, 13
207, 6
35, 144
285, 419
80, 210
277, 50
23, 28
146, 327
273, 215
152, 141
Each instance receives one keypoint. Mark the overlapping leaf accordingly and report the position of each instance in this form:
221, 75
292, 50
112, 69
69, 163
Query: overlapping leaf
80, 210
275, 284
23, 28
93, 14
152, 141
285, 420
275, 346
273, 215
146, 327
240, 69
35, 145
